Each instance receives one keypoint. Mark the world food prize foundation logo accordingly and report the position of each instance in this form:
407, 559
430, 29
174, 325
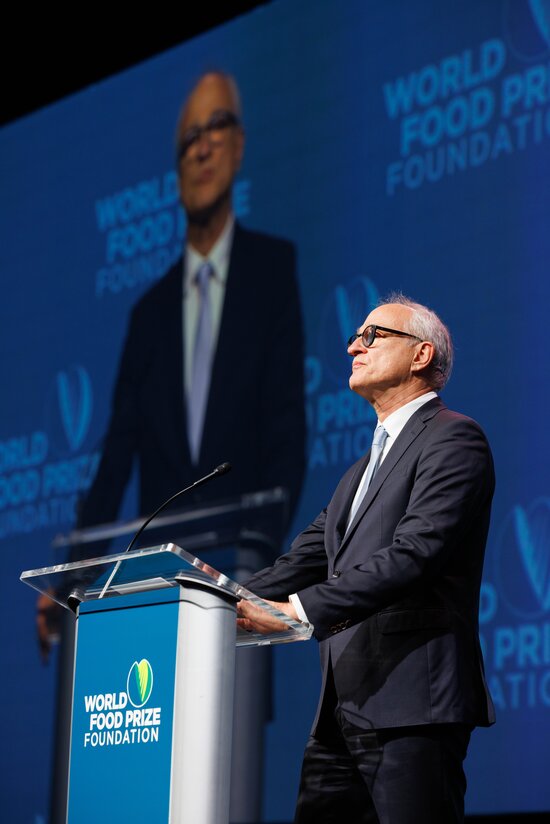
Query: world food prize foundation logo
515, 610
496, 105
44, 471
142, 228
139, 683
110, 719
340, 422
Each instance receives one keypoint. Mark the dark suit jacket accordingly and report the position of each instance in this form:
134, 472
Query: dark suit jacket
395, 602
255, 414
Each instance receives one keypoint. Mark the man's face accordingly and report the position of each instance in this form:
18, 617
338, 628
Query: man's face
207, 170
386, 364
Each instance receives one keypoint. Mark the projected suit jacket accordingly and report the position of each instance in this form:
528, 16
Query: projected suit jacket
255, 413
394, 603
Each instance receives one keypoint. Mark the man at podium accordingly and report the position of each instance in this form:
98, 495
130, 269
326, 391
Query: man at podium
389, 575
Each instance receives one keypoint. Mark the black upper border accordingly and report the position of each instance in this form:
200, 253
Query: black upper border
44, 60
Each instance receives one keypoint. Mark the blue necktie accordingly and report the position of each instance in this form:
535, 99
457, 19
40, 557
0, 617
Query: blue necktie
378, 442
201, 364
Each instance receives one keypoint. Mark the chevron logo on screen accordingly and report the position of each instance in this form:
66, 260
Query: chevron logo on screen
540, 10
533, 541
353, 304
346, 307
523, 559
515, 635
74, 395
140, 683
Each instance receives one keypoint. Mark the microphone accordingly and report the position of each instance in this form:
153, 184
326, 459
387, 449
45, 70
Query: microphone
222, 469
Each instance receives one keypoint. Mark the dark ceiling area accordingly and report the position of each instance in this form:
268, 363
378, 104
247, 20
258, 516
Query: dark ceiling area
49, 56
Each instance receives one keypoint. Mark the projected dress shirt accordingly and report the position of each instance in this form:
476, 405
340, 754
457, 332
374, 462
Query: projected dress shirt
192, 261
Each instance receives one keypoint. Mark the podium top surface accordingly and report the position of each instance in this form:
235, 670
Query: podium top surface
142, 570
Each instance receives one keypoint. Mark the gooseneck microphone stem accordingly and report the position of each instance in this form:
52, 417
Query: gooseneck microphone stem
219, 470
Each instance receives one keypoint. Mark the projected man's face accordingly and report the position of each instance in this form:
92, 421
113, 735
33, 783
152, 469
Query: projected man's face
210, 144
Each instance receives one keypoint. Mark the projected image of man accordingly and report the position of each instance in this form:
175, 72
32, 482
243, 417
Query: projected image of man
204, 377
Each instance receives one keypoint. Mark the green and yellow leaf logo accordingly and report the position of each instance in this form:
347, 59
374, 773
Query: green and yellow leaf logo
140, 682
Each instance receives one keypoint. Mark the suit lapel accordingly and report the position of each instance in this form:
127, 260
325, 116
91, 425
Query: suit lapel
412, 429
347, 495
233, 334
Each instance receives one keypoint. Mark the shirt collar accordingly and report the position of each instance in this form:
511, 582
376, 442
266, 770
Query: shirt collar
395, 422
218, 256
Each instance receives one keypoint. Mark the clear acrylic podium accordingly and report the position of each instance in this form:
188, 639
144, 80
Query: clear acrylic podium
153, 687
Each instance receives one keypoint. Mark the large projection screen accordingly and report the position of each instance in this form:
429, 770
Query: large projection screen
399, 146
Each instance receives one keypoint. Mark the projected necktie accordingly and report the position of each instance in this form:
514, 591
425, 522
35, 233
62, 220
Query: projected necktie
201, 363
378, 442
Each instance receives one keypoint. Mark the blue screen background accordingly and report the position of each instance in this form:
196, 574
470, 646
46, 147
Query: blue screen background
400, 146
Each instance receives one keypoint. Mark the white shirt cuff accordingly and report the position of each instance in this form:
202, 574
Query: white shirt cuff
297, 604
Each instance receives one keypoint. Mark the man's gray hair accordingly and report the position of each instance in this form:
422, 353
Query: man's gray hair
231, 83
233, 89
426, 325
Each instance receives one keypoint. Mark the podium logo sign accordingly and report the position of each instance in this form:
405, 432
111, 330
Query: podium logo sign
140, 683
115, 718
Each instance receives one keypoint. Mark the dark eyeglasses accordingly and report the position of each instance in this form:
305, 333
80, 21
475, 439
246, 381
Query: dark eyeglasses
370, 332
213, 129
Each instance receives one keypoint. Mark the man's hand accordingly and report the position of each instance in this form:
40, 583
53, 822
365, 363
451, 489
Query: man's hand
254, 619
